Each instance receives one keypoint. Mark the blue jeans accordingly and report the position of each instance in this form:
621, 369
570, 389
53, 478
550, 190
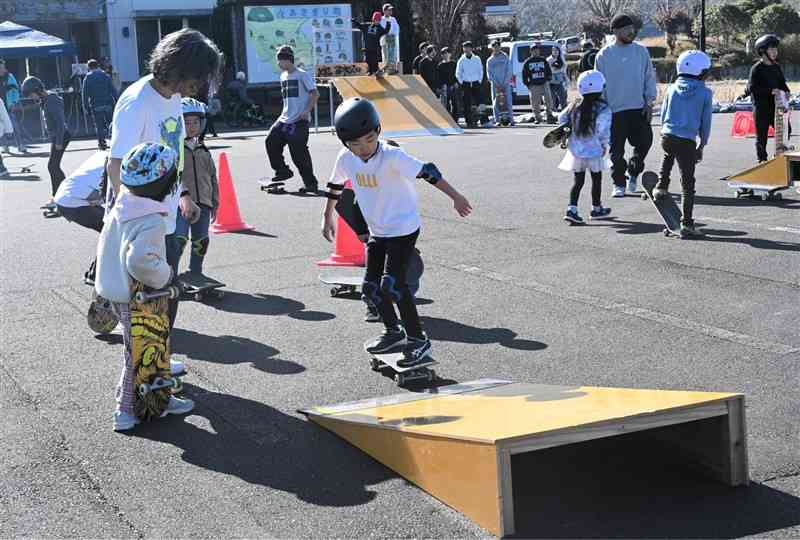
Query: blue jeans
509, 105
177, 241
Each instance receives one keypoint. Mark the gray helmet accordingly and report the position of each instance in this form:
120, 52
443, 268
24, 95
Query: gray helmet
30, 85
765, 42
355, 118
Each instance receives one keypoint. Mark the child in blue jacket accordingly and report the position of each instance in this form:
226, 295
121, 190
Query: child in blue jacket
685, 115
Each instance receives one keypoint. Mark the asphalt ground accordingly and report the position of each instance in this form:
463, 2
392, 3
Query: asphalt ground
509, 292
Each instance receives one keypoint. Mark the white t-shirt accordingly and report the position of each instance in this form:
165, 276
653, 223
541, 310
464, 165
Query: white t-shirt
296, 88
394, 30
82, 187
143, 115
384, 187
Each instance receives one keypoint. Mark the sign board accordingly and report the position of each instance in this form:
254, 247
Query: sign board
318, 33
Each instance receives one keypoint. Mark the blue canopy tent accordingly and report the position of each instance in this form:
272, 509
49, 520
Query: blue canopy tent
17, 41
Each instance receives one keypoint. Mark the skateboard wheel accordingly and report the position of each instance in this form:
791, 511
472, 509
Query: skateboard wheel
644, 196
765, 196
778, 197
400, 379
177, 384
431, 376
144, 389
667, 232
334, 291
375, 365
198, 297
219, 294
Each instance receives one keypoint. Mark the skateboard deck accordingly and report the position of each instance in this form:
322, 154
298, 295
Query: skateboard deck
501, 104
200, 286
23, 169
342, 284
403, 375
558, 136
666, 207
152, 380
272, 187
101, 317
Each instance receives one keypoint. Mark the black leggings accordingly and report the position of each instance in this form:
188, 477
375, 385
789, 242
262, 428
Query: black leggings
54, 163
580, 178
385, 281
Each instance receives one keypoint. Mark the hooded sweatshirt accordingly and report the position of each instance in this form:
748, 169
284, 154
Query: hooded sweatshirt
132, 246
686, 110
498, 69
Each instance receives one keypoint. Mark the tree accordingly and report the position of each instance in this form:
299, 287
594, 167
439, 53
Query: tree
751, 7
776, 19
559, 17
443, 22
728, 22
605, 10
671, 17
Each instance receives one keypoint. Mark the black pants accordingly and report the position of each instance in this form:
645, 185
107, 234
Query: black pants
577, 186
631, 127
385, 281
210, 128
373, 60
764, 116
685, 152
90, 217
54, 163
470, 96
296, 136
102, 119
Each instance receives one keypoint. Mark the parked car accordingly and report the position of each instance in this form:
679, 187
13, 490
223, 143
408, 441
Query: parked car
570, 44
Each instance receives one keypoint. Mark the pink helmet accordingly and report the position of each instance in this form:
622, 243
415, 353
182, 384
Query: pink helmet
377, 16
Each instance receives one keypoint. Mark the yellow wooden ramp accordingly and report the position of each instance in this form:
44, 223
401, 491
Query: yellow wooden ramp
456, 442
778, 172
408, 108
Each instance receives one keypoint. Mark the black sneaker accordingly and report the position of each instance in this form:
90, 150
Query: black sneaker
391, 338
372, 314
309, 189
690, 231
282, 176
415, 351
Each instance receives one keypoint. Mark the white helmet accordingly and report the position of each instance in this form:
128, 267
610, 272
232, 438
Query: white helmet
591, 82
241, 75
193, 106
693, 63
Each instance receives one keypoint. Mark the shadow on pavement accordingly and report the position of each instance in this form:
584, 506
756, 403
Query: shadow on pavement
252, 232
447, 330
268, 304
265, 447
231, 350
604, 489
745, 201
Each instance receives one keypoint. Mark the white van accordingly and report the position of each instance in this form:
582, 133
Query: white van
518, 52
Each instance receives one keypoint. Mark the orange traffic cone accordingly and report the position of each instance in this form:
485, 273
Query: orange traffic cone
744, 125
228, 217
348, 250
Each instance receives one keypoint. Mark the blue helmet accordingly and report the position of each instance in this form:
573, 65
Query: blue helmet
150, 170
193, 106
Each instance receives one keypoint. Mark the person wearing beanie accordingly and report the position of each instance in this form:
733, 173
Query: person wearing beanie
630, 93
448, 85
373, 32
300, 95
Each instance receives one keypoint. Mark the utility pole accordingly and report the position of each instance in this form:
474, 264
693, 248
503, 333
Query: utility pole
703, 25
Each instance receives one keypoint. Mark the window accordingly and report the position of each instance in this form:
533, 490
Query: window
201, 24
149, 32
523, 52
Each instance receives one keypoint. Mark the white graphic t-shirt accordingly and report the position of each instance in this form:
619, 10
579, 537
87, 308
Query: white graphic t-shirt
384, 187
296, 88
143, 115
82, 187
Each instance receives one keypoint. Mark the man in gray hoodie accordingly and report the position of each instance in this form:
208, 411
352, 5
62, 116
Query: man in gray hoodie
630, 93
499, 72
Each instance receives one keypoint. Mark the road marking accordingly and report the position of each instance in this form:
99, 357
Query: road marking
642, 313
790, 230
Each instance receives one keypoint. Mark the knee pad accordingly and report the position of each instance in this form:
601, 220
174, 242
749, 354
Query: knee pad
200, 247
635, 167
389, 287
370, 293
180, 244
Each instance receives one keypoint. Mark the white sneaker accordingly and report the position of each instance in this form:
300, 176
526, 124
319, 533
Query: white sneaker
632, 184
124, 421
176, 367
618, 192
178, 406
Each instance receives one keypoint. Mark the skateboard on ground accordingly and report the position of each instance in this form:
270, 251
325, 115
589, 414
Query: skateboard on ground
275, 188
342, 284
153, 381
666, 207
403, 375
558, 136
101, 316
504, 120
200, 286
50, 210
23, 169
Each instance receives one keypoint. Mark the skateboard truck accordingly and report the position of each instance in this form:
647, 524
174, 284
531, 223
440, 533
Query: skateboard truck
170, 292
160, 383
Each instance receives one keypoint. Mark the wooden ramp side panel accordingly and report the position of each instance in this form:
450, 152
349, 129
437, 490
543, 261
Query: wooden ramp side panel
407, 106
771, 174
462, 474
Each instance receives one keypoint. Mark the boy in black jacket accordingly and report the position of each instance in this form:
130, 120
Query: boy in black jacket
427, 68
536, 75
372, 33
765, 83
448, 85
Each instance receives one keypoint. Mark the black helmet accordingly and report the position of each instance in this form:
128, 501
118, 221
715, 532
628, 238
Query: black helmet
31, 85
355, 118
765, 42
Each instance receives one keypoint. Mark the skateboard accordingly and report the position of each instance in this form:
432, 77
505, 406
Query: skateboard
666, 207
342, 284
200, 286
504, 120
275, 188
558, 136
50, 211
101, 316
403, 375
149, 349
23, 169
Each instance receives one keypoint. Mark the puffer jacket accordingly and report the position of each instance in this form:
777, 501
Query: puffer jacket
200, 175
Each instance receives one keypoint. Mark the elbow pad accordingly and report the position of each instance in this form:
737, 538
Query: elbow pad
430, 173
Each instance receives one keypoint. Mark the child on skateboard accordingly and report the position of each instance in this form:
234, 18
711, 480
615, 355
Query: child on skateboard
300, 96
53, 107
132, 248
766, 81
590, 120
685, 115
200, 180
383, 182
